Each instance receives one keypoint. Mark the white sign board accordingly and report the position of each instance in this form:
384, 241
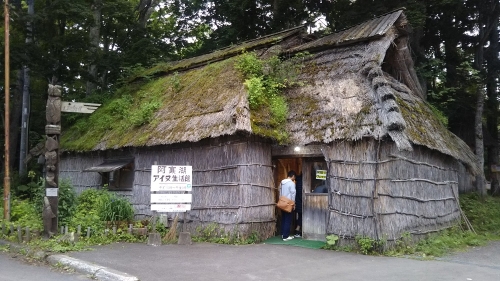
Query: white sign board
171, 198
169, 178
51, 192
79, 107
321, 174
170, 207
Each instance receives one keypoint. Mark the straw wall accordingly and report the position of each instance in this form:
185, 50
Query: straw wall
232, 181
379, 192
72, 164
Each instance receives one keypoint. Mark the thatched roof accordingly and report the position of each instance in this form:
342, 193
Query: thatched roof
193, 99
349, 94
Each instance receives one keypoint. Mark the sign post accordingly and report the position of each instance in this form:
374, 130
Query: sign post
78, 107
170, 178
53, 111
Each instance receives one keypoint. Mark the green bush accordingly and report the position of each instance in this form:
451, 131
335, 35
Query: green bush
86, 213
145, 113
212, 233
94, 207
112, 208
24, 214
265, 81
67, 202
484, 214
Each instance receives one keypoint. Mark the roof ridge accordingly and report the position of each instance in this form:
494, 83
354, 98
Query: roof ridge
402, 9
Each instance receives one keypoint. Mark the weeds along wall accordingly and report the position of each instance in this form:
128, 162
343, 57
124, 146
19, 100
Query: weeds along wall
379, 192
232, 181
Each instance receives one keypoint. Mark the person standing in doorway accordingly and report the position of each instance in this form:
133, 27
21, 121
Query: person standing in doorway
298, 206
287, 189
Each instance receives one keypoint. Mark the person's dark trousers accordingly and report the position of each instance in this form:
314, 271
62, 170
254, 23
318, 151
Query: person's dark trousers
298, 223
286, 224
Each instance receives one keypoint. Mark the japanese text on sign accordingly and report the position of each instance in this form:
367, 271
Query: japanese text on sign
170, 207
321, 174
167, 178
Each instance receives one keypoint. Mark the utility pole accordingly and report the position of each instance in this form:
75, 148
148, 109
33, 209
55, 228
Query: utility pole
26, 96
6, 180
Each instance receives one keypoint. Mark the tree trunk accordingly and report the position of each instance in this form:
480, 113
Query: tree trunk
94, 36
15, 119
480, 182
145, 9
492, 125
493, 62
488, 13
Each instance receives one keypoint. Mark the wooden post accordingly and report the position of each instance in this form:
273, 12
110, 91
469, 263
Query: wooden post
27, 235
53, 132
154, 238
19, 234
6, 179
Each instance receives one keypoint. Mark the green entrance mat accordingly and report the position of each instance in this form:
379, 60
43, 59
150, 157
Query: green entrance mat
298, 242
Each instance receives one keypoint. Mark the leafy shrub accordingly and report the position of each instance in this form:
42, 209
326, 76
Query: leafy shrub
368, 245
256, 95
484, 214
145, 113
214, 234
279, 108
94, 207
121, 106
265, 81
113, 208
67, 201
249, 65
24, 214
86, 214
175, 81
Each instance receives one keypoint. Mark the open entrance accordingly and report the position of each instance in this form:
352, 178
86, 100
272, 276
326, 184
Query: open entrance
312, 194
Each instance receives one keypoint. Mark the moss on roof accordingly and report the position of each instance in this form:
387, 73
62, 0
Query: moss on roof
205, 102
182, 96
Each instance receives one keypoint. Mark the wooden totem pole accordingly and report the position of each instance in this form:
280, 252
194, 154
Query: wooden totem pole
53, 132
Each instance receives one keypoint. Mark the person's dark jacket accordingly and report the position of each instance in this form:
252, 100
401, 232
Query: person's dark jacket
321, 189
298, 196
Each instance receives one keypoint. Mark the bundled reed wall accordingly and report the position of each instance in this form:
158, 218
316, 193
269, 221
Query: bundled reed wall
232, 181
379, 192
72, 164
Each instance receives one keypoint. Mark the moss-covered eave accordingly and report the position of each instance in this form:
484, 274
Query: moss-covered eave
427, 135
202, 93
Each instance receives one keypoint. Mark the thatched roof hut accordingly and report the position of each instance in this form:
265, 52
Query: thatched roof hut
392, 166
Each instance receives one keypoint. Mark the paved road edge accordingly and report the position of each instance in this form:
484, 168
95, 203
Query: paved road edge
96, 272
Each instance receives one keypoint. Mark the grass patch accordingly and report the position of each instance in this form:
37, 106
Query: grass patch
212, 233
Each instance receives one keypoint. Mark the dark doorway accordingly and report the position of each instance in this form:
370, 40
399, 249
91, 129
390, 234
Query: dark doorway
283, 165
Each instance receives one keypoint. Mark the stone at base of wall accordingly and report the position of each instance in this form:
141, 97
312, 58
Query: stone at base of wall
154, 239
184, 238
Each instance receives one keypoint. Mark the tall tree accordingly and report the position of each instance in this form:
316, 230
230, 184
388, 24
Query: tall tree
94, 38
488, 50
